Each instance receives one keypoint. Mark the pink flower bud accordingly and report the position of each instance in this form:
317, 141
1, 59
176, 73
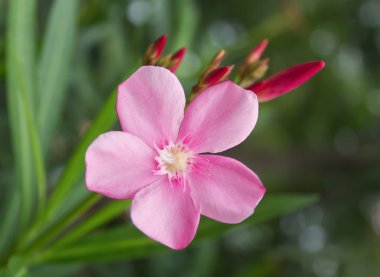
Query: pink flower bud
176, 59
286, 80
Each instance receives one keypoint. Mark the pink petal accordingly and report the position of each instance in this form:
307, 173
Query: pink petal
166, 213
286, 80
151, 104
118, 165
225, 189
221, 117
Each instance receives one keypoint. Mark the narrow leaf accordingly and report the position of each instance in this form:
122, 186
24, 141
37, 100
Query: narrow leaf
54, 66
16, 268
54, 229
20, 89
101, 217
9, 222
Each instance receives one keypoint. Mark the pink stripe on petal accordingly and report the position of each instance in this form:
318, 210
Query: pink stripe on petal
166, 213
225, 189
286, 80
151, 104
220, 117
118, 165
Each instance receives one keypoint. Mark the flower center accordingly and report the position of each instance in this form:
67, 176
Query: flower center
173, 160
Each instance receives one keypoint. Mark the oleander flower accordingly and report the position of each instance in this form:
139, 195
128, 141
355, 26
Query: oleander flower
157, 159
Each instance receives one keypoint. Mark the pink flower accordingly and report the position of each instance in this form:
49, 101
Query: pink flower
286, 80
156, 159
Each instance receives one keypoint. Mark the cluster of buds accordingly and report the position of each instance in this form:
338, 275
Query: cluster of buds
169, 61
253, 68
212, 74
248, 75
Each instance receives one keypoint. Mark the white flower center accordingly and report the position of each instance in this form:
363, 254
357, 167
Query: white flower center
173, 160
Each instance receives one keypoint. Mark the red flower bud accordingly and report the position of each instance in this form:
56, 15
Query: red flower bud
286, 80
217, 75
158, 46
176, 59
256, 52
214, 63
246, 73
211, 75
155, 50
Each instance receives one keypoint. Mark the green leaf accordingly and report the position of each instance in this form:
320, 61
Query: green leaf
20, 92
128, 242
100, 217
37, 157
9, 223
54, 228
54, 65
16, 268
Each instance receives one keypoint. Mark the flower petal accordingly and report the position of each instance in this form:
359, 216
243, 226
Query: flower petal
221, 117
119, 164
286, 80
225, 189
150, 105
166, 213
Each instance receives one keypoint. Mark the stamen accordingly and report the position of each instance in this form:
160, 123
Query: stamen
173, 160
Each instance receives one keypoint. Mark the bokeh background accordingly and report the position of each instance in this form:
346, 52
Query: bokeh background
322, 138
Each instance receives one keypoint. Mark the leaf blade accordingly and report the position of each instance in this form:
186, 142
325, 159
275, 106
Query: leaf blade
101, 217
20, 70
54, 64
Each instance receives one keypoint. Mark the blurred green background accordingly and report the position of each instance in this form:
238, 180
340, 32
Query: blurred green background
322, 138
